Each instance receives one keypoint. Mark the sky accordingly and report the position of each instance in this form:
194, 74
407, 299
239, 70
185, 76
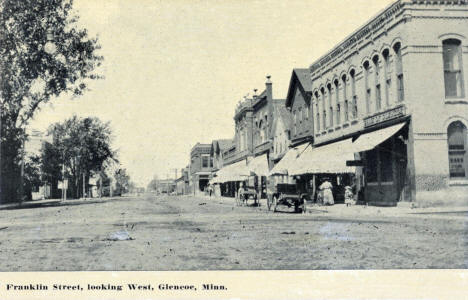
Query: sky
175, 69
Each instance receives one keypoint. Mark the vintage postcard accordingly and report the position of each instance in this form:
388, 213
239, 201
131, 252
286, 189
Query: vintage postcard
251, 149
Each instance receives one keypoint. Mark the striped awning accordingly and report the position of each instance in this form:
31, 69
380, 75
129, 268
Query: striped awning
259, 165
284, 166
328, 159
235, 172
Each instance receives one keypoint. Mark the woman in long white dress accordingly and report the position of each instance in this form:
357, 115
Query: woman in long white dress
326, 187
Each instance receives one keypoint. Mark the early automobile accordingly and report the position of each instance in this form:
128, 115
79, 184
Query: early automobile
288, 195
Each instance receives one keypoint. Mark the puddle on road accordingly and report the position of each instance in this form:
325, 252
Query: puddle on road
335, 231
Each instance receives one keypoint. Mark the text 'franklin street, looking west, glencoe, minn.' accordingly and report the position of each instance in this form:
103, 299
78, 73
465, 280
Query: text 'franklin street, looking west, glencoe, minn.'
114, 287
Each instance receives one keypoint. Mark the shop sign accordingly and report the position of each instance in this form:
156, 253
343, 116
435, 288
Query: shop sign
354, 163
385, 116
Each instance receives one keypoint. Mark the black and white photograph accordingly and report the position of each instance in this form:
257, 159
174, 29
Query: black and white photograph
203, 135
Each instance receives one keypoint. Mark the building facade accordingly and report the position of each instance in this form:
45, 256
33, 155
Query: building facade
404, 72
201, 166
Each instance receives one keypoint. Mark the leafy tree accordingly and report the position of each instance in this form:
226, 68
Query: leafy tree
43, 54
122, 181
82, 145
153, 185
32, 175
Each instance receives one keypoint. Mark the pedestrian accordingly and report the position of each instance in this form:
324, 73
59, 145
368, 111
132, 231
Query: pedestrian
327, 192
349, 196
210, 189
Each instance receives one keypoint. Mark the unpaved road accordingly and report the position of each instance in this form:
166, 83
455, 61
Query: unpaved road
187, 233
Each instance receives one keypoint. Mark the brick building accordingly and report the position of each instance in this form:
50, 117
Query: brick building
201, 166
392, 97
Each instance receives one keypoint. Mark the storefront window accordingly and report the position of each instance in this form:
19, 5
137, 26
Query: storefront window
372, 166
386, 161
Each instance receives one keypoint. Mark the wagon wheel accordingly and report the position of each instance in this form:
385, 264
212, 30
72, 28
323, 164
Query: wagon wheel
296, 205
304, 205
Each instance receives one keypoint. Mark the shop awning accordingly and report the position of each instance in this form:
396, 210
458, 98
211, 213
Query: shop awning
235, 172
371, 140
259, 165
284, 165
328, 159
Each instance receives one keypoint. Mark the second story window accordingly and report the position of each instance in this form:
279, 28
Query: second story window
338, 104
295, 123
399, 72
205, 161
388, 81
317, 109
367, 87
378, 92
330, 103
353, 92
453, 75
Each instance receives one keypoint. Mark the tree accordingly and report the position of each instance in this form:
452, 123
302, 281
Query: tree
122, 181
43, 54
32, 175
153, 185
82, 146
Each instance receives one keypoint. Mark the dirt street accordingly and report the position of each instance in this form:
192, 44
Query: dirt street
188, 233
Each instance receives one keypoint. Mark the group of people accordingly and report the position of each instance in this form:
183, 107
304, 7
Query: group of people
325, 194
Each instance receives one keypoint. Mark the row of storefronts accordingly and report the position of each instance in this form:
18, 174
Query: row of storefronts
384, 112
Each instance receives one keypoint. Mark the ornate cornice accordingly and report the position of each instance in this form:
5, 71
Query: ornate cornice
379, 22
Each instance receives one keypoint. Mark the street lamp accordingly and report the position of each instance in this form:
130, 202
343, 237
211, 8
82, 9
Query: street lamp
50, 47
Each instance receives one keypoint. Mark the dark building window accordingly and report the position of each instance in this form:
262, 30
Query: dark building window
372, 166
386, 160
453, 75
388, 81
457, 149
378, 92
378, 97
368, 89
205, 161
338, 105
399, 72
353, 91
330, 104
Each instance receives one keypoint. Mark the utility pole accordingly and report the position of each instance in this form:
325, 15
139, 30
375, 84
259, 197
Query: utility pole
22, 174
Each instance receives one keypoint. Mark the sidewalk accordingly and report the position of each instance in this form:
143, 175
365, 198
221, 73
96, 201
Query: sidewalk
51, 202
341, 210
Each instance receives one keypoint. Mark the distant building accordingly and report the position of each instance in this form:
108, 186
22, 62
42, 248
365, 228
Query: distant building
32, 147
252, 144
201, 165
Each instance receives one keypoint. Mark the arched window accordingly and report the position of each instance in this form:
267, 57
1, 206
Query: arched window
368, 89
399, 72
324, 116
453, 75
337, 99
353, 91
456, 134
387, 78
378, 89
317, 109
262, 131
345, 99
330, 104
